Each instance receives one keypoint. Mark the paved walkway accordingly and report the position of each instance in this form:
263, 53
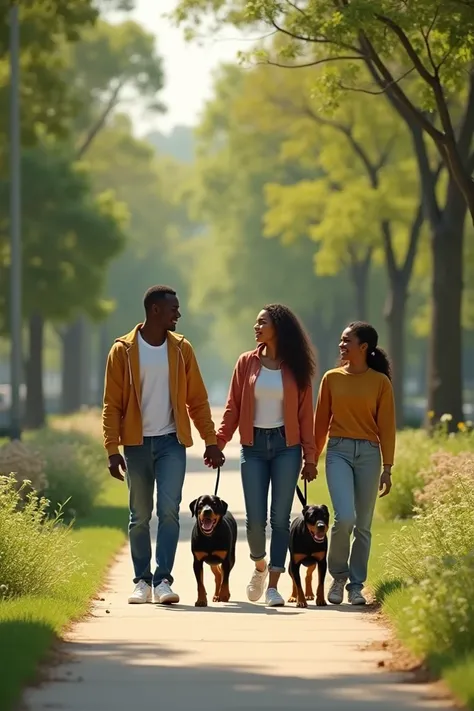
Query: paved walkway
229, 657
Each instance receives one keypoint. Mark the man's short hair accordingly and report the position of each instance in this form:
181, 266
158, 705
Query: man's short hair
155, 294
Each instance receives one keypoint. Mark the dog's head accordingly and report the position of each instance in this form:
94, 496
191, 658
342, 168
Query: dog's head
208, 510
316, 519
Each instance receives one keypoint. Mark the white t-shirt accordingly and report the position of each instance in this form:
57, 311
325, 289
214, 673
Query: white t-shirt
269, 399
157, 412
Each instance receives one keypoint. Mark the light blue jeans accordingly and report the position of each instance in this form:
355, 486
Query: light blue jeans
160, 460
353, 469
269, 460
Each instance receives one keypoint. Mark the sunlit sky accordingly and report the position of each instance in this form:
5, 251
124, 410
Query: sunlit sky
189, 67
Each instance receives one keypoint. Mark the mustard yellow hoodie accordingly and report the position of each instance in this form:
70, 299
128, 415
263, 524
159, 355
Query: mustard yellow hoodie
121, 414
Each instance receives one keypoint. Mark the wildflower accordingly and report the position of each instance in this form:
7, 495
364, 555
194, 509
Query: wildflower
431, 414
462, 426
446, 417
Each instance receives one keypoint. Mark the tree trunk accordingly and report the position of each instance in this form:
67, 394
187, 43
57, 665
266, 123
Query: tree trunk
104, 347
445, 381
359, 272
395, 311
72, 367
35, 416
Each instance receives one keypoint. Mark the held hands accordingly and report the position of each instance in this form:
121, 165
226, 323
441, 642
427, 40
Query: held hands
385, 482
117, 463
213, 457
309, 472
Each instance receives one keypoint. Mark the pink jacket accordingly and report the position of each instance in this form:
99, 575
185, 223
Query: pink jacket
240, 407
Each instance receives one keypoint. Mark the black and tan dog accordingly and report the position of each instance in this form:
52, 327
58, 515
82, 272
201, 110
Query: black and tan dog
309, 547
213, 541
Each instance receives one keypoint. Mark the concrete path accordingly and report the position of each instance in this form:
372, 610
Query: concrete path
231, 656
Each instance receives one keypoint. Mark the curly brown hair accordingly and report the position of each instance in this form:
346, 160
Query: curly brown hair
294, 346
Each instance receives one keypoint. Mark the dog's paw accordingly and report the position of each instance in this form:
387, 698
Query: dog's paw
292, 598
200, 603
301, 603
309, 596
222, 597
321, 602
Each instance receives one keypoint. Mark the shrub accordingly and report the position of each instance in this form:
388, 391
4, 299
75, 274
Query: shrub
75, 468
26, 463
36, 552
438, 478
412, 459
442, 530
440, 612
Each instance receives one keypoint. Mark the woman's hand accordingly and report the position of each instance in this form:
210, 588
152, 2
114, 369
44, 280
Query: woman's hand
309, 472
385, 482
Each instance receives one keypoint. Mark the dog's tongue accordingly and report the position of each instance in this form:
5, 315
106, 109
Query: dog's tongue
207, 524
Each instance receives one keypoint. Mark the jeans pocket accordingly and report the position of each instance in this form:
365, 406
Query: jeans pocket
374, 445
334, 442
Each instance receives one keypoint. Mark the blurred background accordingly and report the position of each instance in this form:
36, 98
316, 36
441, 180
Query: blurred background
146, 159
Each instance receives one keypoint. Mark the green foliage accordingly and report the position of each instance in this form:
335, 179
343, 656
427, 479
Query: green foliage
69, 236
74, 468
414, 451
36, 552
48, 101
426, 582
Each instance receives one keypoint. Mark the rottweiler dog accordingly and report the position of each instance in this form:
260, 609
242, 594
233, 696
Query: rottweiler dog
213, 541
309, 547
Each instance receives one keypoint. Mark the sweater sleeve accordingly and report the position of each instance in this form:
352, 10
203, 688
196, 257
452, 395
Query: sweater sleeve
322, 416
112, 404
230, 418
197, 398
386, 422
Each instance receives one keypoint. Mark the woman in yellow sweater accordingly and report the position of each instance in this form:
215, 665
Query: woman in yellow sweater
356, 409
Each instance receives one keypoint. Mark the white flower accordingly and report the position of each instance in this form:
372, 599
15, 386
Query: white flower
446, 417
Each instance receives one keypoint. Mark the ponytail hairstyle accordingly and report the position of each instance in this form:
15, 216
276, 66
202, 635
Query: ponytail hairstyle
376, 357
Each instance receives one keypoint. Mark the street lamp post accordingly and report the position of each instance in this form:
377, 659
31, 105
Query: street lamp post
16, 362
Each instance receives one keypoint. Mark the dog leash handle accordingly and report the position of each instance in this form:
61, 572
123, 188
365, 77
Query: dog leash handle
217, 481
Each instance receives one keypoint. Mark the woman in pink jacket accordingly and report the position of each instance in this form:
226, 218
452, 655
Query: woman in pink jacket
270, 401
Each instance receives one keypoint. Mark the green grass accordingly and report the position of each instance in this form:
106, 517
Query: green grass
29, 625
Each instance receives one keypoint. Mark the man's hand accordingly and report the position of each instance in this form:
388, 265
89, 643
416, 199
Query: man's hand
117, 463
213, 457
309, 472
385, 483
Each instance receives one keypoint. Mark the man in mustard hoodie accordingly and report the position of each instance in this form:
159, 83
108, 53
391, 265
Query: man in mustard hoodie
152, 382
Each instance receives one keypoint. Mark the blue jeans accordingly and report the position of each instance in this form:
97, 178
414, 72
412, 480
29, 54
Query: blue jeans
267, 461
161, 460
353, 469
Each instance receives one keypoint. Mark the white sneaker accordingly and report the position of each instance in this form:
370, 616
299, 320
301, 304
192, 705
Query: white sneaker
273, 598
163, 595
256, 585
141, 594
356, 597
336, 592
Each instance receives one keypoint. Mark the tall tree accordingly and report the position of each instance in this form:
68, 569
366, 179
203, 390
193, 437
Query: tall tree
112, 64
429, 43
69, 238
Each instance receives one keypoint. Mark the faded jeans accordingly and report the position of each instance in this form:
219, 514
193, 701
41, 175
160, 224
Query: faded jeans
269, 461
160, 460
353, 469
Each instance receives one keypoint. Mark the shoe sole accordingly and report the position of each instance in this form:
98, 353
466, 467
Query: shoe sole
170, 600
275, 604
336, 602
253, 598
139, 602
358, 604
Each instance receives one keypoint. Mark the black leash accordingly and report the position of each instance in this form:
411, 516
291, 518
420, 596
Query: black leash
303, 497
217, 480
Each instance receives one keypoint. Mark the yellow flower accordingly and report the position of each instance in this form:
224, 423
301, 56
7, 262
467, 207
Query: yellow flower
462, 426
431, 414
